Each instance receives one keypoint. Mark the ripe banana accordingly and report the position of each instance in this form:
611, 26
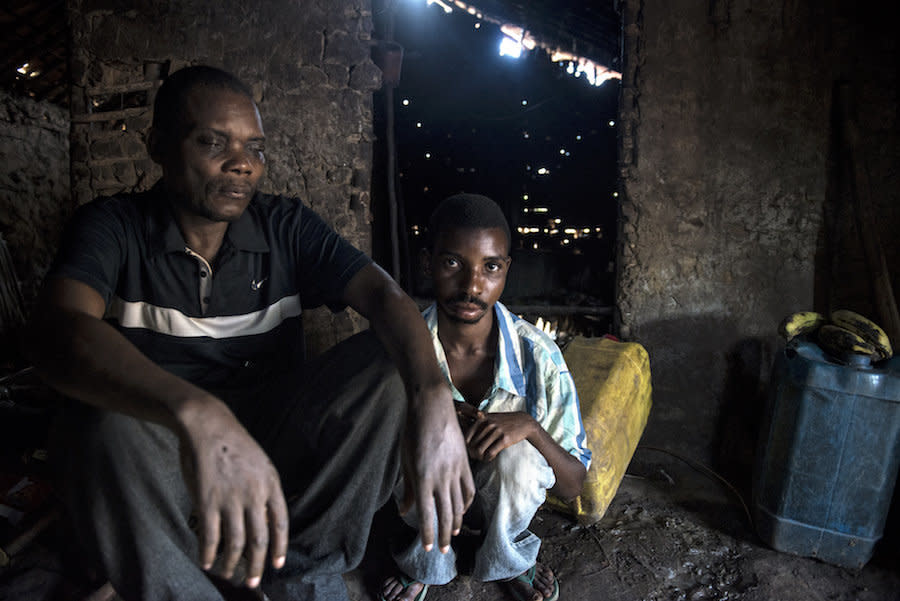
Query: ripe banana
865, 328
802, 322
841, 342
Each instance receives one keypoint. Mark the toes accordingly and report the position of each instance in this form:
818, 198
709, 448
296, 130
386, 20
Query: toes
412, 590
543, 580
393, 590
525, 591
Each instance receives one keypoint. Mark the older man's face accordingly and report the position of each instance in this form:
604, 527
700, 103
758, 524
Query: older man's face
213, 168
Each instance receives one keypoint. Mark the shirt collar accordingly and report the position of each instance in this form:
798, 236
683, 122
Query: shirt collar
508, 373
164, 236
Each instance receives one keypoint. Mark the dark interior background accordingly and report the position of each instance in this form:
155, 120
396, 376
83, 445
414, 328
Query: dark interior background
468, 119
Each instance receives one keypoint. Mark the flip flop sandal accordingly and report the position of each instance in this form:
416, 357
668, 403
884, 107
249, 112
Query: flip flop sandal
528, 578
405, 582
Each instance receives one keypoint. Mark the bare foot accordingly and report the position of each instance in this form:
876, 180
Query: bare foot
393, 589
542, 587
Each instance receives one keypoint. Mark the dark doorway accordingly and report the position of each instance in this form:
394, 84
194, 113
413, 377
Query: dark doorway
525, 131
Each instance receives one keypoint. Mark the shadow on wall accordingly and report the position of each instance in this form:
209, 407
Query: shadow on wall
710, 392
747, 385
709, 388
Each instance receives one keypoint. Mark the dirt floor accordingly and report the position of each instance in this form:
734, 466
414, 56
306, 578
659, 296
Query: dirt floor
672, 533
675, 533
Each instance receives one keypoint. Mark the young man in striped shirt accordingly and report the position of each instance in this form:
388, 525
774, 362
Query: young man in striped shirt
516, 403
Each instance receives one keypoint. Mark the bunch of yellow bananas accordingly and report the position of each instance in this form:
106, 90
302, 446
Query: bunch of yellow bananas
842, 333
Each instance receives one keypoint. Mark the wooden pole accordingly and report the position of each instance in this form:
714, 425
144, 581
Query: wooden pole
393, 203
861, 195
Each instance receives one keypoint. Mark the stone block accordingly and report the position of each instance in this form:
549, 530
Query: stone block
365, 77
350, 106
338, 75
138, 124
147, 172
133, 146
339, 175
312, 45
361, 177
105, 148
103, 175
311, 77
125, 174
345, 49
79, 151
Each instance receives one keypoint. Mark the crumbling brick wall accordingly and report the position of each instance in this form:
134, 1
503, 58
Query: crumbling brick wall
309, 65
34, 185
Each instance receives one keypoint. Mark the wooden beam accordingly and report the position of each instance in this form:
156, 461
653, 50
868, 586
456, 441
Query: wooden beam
861, 195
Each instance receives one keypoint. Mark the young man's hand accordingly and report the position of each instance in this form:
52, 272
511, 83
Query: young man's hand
237, 494
489, 433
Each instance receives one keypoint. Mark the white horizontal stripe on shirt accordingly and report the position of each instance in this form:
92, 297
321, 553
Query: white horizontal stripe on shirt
165, 320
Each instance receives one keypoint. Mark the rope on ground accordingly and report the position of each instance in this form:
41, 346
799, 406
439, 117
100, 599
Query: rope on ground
706, 470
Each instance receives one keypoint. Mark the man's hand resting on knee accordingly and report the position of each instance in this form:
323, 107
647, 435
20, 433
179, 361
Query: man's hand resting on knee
435, 465
436, 469
236, 490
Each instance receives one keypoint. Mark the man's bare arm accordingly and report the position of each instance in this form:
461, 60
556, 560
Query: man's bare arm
436, 466
236, 489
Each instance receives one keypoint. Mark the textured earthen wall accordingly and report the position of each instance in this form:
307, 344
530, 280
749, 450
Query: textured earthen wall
34, 184
308, 63
726, 164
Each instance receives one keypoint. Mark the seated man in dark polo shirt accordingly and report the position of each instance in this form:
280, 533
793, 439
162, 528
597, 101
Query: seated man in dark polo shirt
199, 443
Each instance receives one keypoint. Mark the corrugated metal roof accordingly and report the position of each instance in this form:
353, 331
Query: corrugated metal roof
34, 37
588, 29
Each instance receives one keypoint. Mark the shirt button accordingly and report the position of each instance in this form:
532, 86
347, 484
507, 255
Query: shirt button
202, 274
205, 300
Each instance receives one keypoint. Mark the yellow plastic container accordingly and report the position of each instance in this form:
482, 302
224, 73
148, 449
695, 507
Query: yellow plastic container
613, 383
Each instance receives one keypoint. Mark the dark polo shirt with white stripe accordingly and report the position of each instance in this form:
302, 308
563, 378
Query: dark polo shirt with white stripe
228, 326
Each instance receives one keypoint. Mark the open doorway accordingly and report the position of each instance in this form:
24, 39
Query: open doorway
506, 121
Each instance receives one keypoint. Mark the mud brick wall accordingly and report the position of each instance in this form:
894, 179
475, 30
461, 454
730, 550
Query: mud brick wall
34, 185
728, 174
308, 63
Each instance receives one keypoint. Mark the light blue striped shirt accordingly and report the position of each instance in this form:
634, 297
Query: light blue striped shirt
530, 375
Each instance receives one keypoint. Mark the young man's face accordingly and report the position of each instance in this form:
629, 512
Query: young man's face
468, 270
214, 166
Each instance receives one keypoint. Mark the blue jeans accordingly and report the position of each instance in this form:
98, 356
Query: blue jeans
509, 490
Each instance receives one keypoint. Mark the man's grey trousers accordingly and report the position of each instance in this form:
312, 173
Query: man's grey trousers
335, 443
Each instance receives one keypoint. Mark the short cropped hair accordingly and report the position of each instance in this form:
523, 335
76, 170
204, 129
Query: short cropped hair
171, 98
467, 211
